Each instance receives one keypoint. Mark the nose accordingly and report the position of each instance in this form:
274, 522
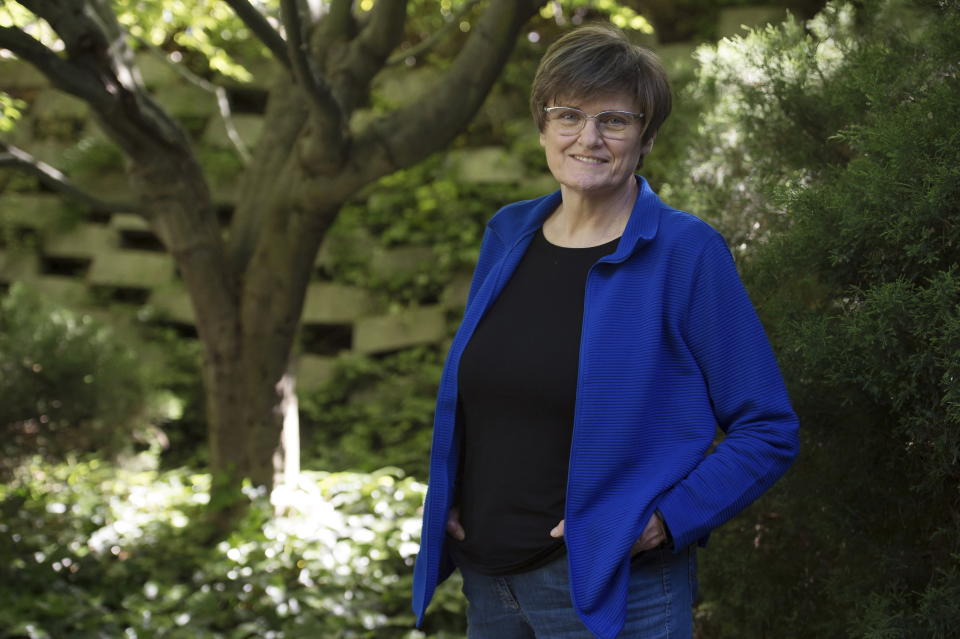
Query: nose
590, 133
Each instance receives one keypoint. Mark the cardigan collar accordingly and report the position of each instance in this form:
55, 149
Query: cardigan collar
514, 223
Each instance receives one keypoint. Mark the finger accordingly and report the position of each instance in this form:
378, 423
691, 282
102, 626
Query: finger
557, 530
653, 532
453, 524
455, 529
649, 543
651, 537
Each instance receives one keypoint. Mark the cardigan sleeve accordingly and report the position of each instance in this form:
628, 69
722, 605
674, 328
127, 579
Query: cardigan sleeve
749, 401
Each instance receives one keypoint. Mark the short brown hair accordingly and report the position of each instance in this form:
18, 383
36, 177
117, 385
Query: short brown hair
598, 58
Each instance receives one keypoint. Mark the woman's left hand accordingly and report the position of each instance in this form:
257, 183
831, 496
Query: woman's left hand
653, 534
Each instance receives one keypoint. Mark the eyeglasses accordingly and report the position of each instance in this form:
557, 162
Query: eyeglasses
611, 124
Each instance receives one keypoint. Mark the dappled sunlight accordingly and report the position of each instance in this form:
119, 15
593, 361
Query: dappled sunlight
331, 552
145, 499
314, 509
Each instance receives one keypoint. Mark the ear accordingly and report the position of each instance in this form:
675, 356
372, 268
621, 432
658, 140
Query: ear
648, 146
543, 142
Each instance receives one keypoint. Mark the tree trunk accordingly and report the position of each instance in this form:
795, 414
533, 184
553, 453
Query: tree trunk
247, 307
249, 372
282, 215
253, 431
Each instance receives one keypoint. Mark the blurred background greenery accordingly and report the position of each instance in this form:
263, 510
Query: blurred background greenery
823, 143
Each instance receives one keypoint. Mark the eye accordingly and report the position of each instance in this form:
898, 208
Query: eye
617, 120
568, 115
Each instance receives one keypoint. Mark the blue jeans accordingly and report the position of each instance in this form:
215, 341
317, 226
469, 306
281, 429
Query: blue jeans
536, 604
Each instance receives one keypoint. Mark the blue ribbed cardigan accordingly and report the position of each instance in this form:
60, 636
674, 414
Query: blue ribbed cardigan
670, 349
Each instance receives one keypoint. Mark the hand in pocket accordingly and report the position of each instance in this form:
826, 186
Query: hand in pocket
654, 534
453, 524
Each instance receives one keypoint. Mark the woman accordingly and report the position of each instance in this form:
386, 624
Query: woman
605, 338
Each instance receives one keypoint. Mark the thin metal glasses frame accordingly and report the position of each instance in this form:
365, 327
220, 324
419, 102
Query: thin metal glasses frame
601, 125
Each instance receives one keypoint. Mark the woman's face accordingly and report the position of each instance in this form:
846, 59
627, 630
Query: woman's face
587, 162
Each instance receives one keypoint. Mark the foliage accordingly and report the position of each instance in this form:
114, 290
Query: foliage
177, 395
207, 30
414, 207
76, 385
13, 14
66, 379
220, 165
89, 550
877, 246
91, 156
859, 287
374, 412
622, 16
10, 111
762, 119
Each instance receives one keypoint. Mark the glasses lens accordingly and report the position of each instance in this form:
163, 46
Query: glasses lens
614, 122
567, 119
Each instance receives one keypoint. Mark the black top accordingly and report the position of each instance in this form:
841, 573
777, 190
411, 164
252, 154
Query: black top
518, 379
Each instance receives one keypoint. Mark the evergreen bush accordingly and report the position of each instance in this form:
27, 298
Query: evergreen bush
848, 139
756, 117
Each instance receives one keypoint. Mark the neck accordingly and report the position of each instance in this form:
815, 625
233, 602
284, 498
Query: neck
584, 219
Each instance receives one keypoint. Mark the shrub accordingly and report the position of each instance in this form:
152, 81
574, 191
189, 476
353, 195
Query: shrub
374, 412
858, 284
178, 395
88, 550
759, 115
68, 384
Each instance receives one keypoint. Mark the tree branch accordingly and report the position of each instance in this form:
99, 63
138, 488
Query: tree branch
283, 124
315, 87
91, 39
172, 192
12, 156
262, 29
223, 104
409, 134
385, 28
434, 38
101, 71
64, 74
366, 54
339, 20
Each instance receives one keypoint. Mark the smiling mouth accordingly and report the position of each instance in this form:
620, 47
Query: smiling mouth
588, 159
